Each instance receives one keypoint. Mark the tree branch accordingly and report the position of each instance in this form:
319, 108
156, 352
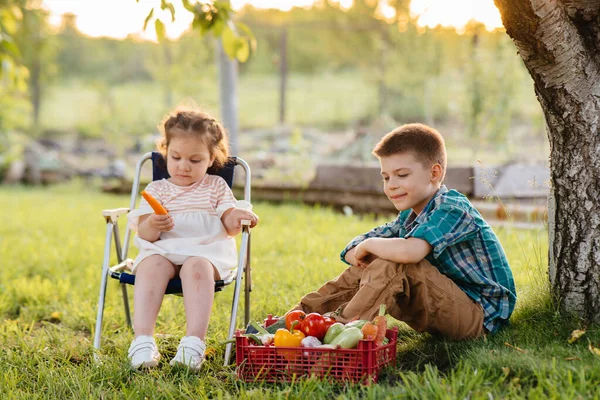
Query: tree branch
582, 10
586, 14
551, 46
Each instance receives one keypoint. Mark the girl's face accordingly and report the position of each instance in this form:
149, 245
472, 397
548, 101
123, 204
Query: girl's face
188, 159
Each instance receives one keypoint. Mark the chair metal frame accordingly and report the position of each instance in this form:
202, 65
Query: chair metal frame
117, 272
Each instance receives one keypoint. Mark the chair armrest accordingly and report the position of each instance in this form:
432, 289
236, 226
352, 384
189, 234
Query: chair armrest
126, 266
113, 214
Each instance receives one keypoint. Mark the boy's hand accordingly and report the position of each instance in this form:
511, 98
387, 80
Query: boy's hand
363, 256
161, 223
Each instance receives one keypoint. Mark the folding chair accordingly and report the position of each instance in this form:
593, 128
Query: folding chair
122, 271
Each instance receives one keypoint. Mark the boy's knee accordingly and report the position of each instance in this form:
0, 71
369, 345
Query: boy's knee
420, 271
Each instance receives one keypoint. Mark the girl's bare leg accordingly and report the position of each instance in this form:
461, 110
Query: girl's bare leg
198, 281
151, 279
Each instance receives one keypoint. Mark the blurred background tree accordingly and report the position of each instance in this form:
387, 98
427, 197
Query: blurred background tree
325, 67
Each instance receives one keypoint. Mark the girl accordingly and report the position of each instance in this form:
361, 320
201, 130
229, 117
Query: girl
193, 241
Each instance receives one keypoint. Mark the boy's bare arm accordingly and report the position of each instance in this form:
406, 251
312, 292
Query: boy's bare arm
403, 251
351, 258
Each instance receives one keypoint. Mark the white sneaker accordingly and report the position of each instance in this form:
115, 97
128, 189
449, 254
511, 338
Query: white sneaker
190, 353
143, 352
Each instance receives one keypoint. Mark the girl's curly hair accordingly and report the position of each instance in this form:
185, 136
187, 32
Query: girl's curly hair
203, 126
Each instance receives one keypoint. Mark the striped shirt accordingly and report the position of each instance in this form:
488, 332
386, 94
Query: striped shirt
211, 195
464, 248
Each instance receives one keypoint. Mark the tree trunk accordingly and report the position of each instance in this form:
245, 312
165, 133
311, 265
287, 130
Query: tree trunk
559, 41
228, 95
35, 90
283, 73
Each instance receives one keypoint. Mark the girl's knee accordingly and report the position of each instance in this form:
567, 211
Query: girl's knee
197, 268
156, 265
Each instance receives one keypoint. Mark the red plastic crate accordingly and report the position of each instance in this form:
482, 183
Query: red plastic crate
280, 364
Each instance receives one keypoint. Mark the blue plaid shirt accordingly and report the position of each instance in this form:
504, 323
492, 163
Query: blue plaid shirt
464, 248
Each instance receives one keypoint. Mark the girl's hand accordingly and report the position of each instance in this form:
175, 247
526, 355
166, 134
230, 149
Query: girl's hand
161, 223
237, 215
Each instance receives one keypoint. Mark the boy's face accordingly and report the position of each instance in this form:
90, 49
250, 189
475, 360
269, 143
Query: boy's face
407, 182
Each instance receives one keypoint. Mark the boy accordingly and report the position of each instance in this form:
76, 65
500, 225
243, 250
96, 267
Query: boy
438, 266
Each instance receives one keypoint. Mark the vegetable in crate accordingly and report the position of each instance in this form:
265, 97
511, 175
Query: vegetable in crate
310, 341
285, 338
369, 331
276, 325
333, 331
263, 337
314, 325
296, 315
381, 323
359, 323
349, 338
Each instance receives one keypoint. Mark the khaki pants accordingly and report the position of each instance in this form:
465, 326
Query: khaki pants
417, 294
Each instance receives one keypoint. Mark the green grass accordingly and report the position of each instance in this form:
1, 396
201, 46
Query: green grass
120, 113
51, 244
139, 107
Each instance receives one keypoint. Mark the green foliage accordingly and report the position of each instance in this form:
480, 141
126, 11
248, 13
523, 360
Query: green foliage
343, 67
49, 293
13, 75
214, 17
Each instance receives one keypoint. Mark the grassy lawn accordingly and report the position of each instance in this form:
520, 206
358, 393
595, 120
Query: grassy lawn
139, 107
51, 244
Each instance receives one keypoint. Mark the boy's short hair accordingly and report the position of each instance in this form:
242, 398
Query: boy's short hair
425, 142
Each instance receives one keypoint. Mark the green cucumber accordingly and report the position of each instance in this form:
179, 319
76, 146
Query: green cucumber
279, 324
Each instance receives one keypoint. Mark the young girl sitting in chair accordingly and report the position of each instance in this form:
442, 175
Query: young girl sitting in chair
193, 241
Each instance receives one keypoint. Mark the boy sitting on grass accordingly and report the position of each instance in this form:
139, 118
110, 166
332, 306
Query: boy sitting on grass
438, 266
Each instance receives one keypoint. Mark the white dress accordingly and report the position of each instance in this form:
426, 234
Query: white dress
198, 231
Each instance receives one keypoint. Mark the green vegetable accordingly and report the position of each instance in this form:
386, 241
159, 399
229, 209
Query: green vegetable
349, 338
359, 323
279, 324
333, 331
254, 338
259, 328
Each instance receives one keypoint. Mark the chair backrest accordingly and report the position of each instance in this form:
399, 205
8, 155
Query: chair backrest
159, 169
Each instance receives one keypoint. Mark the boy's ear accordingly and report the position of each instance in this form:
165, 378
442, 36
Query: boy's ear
436, 172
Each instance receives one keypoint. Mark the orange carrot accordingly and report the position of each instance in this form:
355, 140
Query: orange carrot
381, 323
369, 331
156, 206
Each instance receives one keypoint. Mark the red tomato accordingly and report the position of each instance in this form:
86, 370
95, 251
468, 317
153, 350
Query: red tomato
296, 315
314, 325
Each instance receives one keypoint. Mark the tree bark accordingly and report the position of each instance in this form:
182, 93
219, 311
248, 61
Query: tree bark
228, 96
559, 42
